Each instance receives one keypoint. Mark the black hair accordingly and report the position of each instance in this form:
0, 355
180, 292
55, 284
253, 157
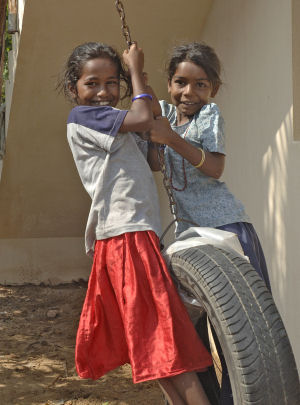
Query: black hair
200, 54
79, 56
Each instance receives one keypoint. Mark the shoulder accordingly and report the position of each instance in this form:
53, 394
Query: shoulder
168, 110
104, 119
210, 127
210, 109
210, 116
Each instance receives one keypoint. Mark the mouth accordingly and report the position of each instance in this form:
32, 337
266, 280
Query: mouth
101, 103
188, 103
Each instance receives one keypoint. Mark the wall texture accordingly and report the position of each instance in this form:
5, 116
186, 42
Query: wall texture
254, 41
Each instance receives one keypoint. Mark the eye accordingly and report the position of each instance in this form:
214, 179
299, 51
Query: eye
203, 85
179, 82
113, 83
91, 84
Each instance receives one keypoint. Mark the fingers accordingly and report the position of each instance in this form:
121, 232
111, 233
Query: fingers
132, 50
133, 46
133, 43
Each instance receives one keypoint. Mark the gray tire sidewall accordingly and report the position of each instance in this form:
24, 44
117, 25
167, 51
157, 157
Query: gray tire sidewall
241, 310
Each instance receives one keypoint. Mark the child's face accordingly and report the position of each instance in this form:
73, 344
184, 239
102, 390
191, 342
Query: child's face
99, 84
190, 88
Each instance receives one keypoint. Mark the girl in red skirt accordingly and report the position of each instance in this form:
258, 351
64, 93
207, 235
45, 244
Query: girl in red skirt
132, 312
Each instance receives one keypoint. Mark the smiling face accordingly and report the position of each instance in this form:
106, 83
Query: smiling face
190, 89
99, 83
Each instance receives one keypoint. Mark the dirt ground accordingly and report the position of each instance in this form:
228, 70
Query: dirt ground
37, 337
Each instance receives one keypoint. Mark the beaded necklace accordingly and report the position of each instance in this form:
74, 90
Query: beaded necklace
182, 166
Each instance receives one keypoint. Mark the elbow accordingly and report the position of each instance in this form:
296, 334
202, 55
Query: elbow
216, 174
219, 169
216, 165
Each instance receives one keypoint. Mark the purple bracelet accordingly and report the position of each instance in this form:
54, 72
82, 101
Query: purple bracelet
142, 96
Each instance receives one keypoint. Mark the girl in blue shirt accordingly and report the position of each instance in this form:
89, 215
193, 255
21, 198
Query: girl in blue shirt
192, 134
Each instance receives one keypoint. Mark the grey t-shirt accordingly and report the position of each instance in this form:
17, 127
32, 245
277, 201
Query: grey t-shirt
205, 201
115, 174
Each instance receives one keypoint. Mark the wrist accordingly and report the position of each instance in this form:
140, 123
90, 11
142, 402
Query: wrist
201, 162
173, 139
138, 86
136, 72
142, 95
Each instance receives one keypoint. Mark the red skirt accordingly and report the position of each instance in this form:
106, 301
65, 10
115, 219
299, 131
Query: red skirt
133, 314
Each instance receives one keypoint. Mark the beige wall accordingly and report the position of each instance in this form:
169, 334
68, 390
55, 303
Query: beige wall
296, 67
43, 207
254, 41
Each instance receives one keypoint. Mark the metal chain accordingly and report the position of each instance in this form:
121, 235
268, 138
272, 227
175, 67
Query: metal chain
166, 182
125, 28
169, 189
182, 166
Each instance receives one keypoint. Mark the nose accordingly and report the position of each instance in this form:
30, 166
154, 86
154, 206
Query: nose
188, 89
102, 91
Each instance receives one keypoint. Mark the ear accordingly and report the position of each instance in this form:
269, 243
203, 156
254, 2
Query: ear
73, 91
215, 90
169, 86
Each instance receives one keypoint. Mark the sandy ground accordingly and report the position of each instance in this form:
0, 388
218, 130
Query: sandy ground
37, 337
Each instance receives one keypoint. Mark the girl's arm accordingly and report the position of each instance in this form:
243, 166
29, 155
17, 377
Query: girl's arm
162, 133
139, 117
156, 108
152, 156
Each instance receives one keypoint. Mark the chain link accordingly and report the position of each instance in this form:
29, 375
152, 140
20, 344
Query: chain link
125, 28
167, 182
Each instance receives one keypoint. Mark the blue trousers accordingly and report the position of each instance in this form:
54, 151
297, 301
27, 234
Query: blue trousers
252, 248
